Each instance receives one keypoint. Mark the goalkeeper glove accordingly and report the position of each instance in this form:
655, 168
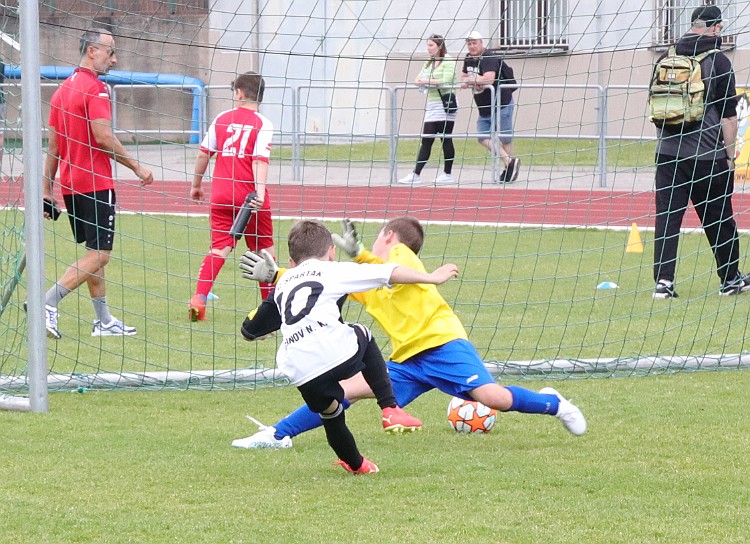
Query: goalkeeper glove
259, 267
349, 241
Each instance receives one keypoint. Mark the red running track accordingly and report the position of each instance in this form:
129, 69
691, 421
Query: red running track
568, 208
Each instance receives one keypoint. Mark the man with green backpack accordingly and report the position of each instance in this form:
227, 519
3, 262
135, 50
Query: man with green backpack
693, 103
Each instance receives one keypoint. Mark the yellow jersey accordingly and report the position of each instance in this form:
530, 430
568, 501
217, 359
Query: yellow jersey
414, 316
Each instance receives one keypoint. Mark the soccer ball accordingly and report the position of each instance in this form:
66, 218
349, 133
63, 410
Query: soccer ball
468, 416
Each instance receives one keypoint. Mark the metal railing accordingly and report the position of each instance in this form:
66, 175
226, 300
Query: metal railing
297, 136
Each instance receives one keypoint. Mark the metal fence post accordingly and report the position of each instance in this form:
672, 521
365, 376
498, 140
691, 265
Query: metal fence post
392, 137
601, 157
296, 122
494, 139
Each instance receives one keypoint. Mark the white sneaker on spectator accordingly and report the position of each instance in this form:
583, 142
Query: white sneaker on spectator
411, 179
264, 438
568, 413
445, 178
50, 320
114, 328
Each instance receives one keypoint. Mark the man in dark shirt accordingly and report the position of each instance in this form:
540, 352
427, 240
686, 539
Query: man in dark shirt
696, 163
484, 69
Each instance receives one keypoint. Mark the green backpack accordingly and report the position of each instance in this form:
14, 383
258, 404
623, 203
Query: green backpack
676, 95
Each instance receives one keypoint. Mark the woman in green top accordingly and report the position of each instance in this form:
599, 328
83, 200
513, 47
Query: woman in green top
436, 79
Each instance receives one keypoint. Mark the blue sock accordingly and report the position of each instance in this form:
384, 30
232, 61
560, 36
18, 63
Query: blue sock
531, 402
301, 420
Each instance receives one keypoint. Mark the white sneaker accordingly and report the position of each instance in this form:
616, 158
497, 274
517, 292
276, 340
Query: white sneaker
264, 438
445, 178
115, 328
568, 413
50, 320
411, 179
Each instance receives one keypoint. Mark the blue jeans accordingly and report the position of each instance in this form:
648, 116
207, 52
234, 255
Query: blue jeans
505, 128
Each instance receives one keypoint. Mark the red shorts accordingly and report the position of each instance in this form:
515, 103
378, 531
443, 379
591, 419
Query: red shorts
258, 234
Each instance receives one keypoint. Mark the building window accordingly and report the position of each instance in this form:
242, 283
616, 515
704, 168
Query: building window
533, 23
673, 20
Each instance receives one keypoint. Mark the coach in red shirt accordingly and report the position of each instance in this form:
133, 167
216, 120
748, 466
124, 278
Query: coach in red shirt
82, 144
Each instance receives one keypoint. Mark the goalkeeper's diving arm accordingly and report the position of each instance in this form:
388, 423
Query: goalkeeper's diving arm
266, 319
262, 321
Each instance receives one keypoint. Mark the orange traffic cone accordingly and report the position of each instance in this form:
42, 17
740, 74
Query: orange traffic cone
635, 244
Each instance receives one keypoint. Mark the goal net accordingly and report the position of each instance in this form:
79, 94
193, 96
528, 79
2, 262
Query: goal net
554, 242
13, 335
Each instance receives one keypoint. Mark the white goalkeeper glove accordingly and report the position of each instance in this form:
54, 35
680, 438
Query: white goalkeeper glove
259, 267
348, 242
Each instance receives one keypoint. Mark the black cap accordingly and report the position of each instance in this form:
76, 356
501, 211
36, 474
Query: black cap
711, 15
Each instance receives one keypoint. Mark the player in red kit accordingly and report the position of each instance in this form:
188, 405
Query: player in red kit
241, 139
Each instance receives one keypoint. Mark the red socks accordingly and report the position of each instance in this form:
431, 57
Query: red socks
210, 268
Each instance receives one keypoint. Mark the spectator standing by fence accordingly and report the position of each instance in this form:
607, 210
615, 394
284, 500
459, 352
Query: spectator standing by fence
436, 79
483, 69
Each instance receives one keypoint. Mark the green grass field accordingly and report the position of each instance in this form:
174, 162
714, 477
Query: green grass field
664, 461
523, 295
533, 151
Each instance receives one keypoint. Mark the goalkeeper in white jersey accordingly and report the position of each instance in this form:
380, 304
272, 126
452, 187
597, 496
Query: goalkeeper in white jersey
319, 349
430, 346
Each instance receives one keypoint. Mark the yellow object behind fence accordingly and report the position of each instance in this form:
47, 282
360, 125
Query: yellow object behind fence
635, 244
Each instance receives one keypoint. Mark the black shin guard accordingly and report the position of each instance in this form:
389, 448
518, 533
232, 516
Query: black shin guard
376, 375
341, 439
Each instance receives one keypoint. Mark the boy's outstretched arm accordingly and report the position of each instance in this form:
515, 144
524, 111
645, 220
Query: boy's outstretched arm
404, 274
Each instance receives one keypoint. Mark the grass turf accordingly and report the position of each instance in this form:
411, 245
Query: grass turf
664, 460
533, 151
527, 294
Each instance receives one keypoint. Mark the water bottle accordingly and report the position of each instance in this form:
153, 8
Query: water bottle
243, 217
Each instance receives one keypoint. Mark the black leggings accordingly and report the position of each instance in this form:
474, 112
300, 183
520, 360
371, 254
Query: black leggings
445, 129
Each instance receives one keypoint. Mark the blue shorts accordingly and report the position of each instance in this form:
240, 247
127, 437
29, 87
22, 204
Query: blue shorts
505, 118
454, 368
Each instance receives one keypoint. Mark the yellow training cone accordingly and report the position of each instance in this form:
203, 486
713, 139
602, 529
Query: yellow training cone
635, 244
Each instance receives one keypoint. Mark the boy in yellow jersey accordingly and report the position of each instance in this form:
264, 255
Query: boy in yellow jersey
430, 345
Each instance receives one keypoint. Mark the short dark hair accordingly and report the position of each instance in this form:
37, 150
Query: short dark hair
409, 231
309, 239
711, 15
440, 42
251, 84
91, 37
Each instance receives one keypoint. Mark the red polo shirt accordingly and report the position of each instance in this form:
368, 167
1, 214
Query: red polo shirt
82, 98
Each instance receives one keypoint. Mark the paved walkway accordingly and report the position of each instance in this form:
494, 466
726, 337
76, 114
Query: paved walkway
174, 162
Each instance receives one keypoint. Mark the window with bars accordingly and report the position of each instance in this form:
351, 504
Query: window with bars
533, 23
673, 19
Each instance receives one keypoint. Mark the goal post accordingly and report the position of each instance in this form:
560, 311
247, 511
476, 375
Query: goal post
34, 232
